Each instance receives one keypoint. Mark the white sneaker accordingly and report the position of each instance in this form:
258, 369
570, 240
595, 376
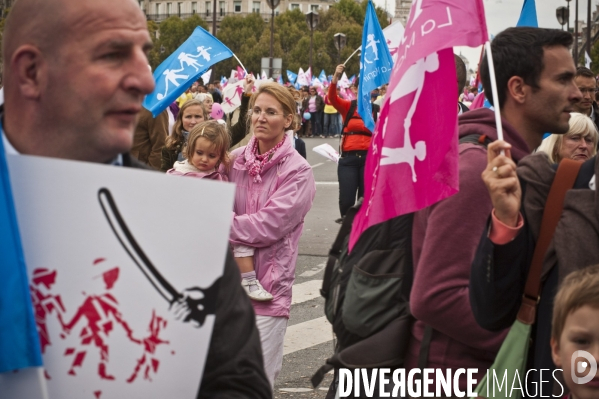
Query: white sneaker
260, 294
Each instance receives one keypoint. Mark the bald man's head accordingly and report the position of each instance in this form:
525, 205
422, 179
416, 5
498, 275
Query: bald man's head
30, 21
75, 76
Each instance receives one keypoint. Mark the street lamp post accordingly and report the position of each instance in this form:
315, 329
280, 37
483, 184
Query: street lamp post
575, 52
312, 20
339, 44
560, 13
272, 4
568, 21
589, 27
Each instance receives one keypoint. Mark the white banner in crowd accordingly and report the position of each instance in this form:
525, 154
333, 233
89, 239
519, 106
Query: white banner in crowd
232, 94
123, 266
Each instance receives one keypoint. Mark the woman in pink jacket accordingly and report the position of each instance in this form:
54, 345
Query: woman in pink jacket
275, 190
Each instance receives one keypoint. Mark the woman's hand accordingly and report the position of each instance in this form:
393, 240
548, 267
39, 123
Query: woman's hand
338, 72
249, 84
502, 182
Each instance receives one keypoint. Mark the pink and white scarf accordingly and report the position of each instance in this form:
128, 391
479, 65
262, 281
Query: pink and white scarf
255, 162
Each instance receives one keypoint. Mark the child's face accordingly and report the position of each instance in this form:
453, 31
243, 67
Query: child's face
581, 332
205, 156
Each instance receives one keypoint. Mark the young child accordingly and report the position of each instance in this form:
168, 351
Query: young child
206, 157
206, 153
576, 328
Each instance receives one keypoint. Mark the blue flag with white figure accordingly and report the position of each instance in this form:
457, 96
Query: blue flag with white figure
183, 67
322, 77
19, 341
528, 15
291, 76
375, 64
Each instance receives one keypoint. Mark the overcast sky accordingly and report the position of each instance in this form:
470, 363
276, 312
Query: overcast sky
502, 14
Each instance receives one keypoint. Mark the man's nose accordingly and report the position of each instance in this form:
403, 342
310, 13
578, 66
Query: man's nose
140, 77
576, 94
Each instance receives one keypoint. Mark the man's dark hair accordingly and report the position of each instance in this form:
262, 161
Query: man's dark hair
519, 52
460, 71
585, 72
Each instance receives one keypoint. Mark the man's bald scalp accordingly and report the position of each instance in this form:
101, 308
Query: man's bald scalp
42, 23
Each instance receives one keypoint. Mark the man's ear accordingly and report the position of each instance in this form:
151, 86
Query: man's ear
517, 89
28, 66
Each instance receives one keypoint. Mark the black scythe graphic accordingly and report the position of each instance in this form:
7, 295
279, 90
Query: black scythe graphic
192, 309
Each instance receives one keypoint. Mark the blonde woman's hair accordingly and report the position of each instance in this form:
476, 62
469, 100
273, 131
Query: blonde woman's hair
579, 124
176, 137
578, 289
215, 133
283, 97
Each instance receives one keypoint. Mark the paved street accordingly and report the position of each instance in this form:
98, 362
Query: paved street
309, 338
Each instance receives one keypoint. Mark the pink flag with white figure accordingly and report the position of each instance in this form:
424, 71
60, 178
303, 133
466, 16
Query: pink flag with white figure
240, 73
413, 157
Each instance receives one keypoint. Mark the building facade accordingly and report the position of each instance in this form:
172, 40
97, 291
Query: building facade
159, 10
402, 10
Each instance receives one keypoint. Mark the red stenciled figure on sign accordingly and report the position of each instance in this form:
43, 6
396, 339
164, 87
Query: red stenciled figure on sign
44, 303
147, 361
100, 313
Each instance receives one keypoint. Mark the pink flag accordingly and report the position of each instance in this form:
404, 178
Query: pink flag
240, 73
309, 75
413, 157
479, 101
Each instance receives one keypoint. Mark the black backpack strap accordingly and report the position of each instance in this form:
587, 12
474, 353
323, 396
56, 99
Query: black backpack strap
337, 247
425, 345
477, 139
350, 114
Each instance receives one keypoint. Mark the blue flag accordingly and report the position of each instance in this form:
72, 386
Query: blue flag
183, 67
528, 15
280, 79
322, 77
375, 64
223, 80
291, 76
19, 342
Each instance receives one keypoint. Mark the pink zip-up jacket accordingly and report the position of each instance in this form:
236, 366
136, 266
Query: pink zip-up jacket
269, 216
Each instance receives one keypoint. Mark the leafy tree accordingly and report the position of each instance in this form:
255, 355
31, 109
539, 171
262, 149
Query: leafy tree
249, 38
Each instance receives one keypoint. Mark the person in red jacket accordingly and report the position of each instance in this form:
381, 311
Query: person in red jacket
355, 140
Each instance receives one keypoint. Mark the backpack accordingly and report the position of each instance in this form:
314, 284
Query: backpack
351, 115
367, 293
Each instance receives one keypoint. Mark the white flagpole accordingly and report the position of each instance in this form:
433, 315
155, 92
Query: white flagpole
352, 54
494, 90
242, 67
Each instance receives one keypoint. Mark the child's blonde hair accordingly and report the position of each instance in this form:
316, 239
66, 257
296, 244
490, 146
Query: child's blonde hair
578, 289
215, 133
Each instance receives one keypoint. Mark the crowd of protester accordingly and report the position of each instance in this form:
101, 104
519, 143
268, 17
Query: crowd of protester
471, 251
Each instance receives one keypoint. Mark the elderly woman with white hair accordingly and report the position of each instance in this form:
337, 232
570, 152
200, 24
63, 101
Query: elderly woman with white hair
206, 100
579, 143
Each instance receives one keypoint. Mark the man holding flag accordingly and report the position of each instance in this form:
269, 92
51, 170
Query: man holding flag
415, 161
73, 91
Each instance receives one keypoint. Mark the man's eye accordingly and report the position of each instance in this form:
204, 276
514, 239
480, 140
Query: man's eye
112, 55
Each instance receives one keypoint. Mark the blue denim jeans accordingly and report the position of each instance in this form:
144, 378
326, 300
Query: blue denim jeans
331, 125
350, 172
316, 123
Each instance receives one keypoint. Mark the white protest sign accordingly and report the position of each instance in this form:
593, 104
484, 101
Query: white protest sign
122, 265
327, 151
232, 94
